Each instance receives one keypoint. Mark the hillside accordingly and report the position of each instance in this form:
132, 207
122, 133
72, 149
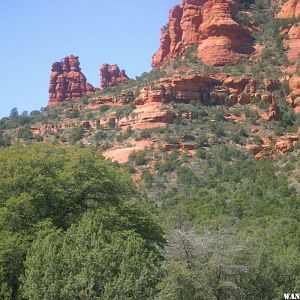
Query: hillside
211, 140
250, 77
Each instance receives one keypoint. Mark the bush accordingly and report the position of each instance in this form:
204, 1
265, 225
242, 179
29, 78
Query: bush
25, 133
104, 108
76, 135
138, 157
202, 141
148, 178
5, 141
144, 134
100, 135
73, 114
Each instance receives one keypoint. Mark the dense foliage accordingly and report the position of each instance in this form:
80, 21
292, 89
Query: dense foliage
109, 254
44, 192
234, 231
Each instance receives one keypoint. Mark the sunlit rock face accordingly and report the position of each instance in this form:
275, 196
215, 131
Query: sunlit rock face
111, 76
209, 25
67, 82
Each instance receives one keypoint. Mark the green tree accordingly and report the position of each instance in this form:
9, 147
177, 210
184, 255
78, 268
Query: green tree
107, 255
76, 135
25, 133
14, 113
44, 182
4, 140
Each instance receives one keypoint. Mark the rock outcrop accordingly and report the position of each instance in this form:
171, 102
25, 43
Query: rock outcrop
294, 97
291, 9
210, 26
149, 115
111, 76
273, 113
293, 43
272, 145
193, 86
210, 89
67, 82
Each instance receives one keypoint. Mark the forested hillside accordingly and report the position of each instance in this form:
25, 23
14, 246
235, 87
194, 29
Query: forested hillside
180, 184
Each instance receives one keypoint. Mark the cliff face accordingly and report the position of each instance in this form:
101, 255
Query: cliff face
67, 82
210, 26
291, 9
111, 76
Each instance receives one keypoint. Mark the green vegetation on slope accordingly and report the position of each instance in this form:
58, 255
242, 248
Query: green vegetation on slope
70, 231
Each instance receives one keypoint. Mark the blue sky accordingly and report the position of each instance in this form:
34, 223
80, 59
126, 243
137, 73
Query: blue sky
36, 33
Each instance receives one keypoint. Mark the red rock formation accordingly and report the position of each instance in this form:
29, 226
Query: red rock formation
295, 85
284, 146
149, 115
121, 153
291, 9
67, 82
209, 25
210, 89
294, 98
112, 76
273, 113
184, 89
293, 43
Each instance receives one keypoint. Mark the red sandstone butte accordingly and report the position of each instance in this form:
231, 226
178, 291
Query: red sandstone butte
112, 76
209, 25
67, 82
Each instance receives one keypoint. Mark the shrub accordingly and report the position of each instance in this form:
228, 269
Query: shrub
100, 135
138, 157
76, 135
104, 108
25, 133
148, 178
202, 141
201, 153
5, 141
73, 114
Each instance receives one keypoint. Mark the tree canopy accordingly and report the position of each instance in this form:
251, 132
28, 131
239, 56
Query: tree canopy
45, 190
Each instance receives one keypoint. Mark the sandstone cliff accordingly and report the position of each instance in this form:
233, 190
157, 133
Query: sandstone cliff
210, 26
291, 9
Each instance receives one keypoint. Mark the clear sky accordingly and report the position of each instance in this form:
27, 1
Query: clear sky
36, 33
